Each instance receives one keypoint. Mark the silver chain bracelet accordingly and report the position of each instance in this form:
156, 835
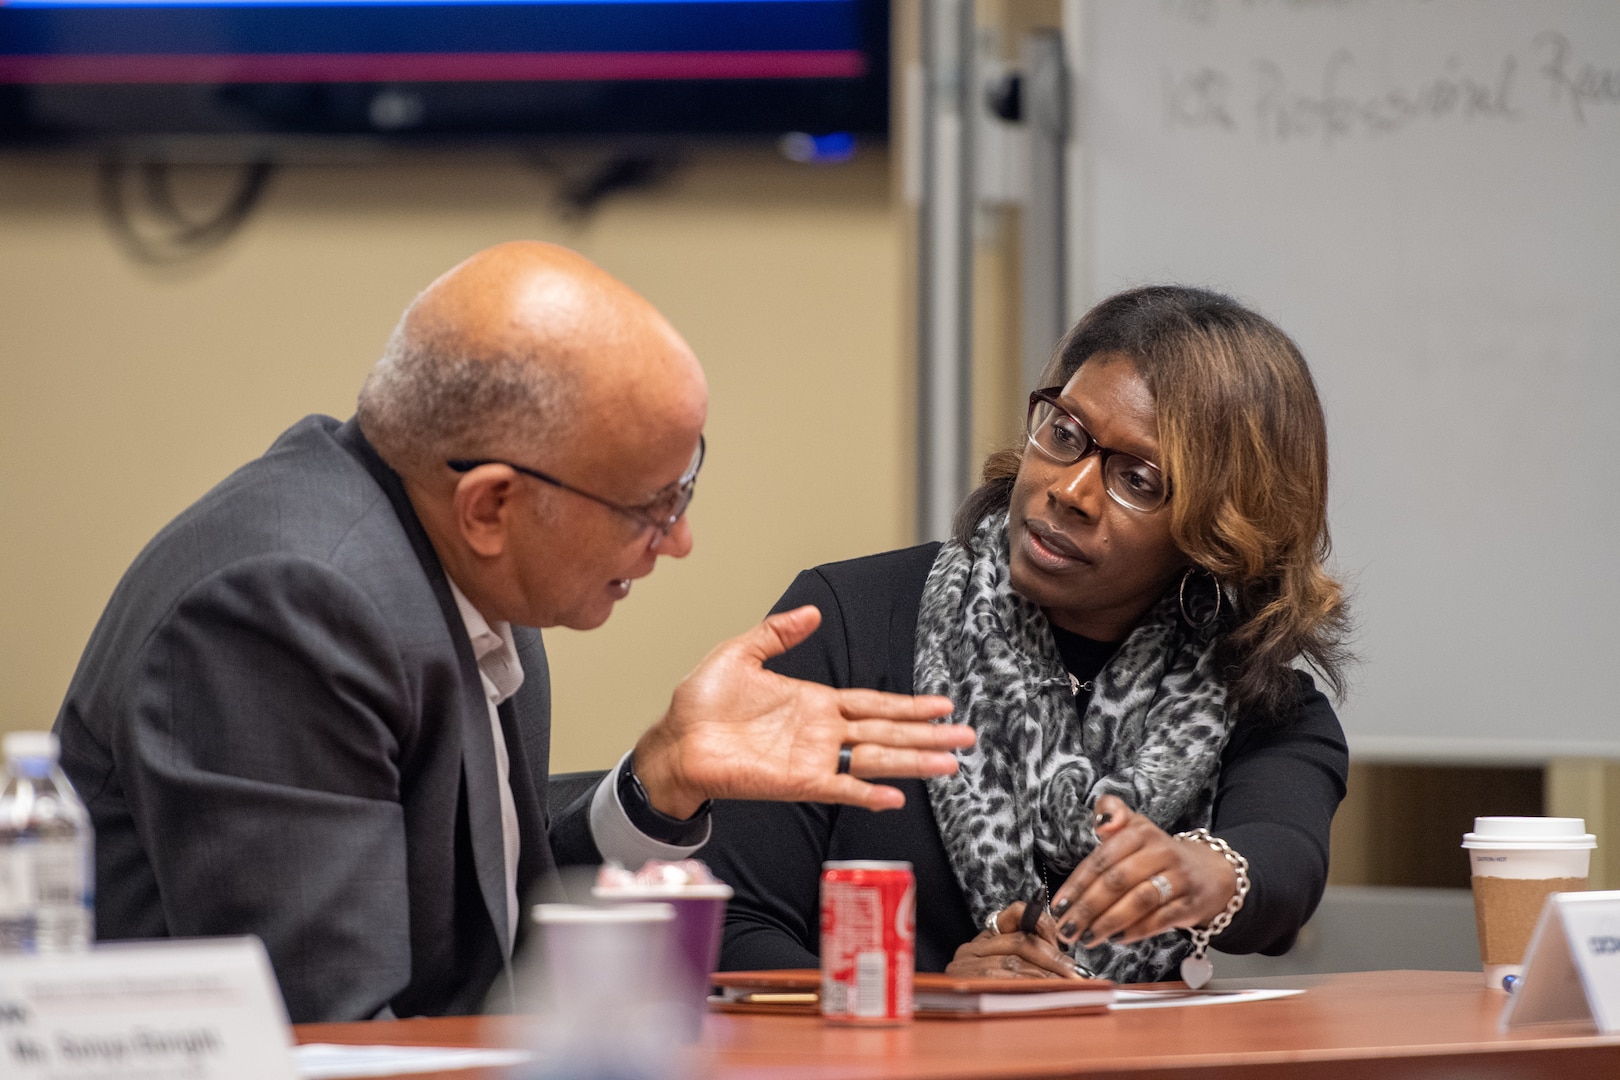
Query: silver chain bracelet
1196, 969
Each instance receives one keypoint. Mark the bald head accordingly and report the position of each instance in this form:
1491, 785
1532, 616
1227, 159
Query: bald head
521, 348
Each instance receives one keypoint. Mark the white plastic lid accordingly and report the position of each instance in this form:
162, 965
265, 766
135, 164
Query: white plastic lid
1554, 833
553, 914
30, 744
710, 891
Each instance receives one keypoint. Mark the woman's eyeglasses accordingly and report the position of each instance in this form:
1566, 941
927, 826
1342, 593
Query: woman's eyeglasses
1051, 429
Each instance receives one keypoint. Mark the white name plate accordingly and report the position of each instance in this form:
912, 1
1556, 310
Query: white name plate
174, 1010
1572, 967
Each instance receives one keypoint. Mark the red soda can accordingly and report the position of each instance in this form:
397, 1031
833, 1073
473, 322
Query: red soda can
868, 942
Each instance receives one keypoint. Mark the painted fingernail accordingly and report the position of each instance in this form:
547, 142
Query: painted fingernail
1082, 971
1086, 938
1102, 819
1068, 929
1114, 938
1059, 908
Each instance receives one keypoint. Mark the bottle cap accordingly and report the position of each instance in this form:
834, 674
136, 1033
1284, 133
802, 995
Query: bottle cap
30, 744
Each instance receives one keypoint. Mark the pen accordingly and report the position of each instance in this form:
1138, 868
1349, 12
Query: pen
1032, 912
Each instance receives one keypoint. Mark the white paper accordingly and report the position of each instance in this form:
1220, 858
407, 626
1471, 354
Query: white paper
330, 1061
1160, 999
171, 1010
1592, 921
1572, 967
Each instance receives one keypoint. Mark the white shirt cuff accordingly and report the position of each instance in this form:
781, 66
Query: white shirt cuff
621, 842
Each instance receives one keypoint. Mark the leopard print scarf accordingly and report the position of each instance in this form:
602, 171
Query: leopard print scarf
1152, 734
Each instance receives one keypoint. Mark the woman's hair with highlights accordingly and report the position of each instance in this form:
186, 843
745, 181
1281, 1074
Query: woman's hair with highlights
1244, 447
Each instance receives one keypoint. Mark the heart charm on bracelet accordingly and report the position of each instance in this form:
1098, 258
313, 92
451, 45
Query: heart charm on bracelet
1196, 970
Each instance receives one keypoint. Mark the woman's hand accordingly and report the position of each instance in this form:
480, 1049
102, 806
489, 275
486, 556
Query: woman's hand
1111, 896
1012, 953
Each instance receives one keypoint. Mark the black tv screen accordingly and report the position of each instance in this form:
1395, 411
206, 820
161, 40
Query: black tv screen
87, 70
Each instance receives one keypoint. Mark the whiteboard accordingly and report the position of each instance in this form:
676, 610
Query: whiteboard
1426, 195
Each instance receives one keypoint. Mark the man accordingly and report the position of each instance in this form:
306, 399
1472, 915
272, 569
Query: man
311, 710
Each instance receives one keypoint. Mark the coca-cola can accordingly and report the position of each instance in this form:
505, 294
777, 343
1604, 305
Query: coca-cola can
868, 942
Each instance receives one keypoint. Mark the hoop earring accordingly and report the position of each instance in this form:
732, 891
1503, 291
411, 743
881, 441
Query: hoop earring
1181, 597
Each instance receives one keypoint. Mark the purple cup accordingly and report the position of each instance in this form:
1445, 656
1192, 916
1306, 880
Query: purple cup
700, 912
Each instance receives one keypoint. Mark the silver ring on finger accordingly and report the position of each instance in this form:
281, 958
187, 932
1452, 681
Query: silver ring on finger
1162, 884
992, 923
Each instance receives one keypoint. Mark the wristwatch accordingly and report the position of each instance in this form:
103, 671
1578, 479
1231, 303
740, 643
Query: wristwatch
654, 823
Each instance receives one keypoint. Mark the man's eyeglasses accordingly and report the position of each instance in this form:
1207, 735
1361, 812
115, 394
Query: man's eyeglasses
1133, 483
660, 513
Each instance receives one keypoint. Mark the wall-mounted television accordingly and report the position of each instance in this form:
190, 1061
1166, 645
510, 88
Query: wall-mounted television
75, 72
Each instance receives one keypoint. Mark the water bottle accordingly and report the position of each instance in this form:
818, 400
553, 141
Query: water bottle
47, 852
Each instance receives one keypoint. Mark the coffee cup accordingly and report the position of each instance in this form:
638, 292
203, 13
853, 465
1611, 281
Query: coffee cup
700, 914
603, 995
1516, 863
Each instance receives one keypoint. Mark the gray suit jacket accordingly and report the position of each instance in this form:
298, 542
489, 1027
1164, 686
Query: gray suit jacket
279, 728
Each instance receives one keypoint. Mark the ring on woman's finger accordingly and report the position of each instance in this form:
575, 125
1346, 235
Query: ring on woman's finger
846, 754
992, 923
1166, 890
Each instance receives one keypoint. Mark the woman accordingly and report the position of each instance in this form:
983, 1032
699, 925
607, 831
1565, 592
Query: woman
1118, 616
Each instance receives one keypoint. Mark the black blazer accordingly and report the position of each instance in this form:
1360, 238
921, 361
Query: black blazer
279, 728
1278, 789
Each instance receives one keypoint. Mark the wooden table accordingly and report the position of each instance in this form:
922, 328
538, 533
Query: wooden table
1435, 1025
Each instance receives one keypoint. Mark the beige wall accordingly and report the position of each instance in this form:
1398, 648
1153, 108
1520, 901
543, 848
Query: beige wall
130, 391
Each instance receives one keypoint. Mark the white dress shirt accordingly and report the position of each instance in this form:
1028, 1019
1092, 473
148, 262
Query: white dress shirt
616, 838
502, 674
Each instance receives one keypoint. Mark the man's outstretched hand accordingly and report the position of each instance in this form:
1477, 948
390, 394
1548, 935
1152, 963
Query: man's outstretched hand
737, 731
